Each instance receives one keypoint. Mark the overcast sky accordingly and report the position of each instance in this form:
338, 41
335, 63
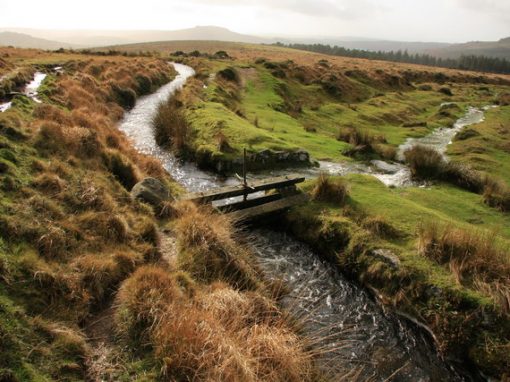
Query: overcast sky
411, 20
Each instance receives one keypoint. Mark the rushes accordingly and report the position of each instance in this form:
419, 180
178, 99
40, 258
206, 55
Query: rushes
209, 250
330, 190
220, 334
170, 125
475, 258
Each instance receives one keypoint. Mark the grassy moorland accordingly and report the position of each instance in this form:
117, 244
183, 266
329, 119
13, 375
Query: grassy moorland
95, 285
333, 108
438, 253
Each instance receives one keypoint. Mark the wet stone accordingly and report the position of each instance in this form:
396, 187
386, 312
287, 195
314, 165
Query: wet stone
152, 191
388, 257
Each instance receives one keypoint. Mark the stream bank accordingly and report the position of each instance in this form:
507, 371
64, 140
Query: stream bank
459, 324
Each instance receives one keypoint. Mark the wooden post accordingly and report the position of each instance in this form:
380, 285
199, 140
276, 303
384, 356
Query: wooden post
245, 183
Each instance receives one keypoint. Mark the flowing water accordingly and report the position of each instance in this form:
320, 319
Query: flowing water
30, 90
353, 332
440, 138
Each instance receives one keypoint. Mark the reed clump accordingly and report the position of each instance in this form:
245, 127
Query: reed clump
171, 126
209, 250
475, 258
218, 332
331, 190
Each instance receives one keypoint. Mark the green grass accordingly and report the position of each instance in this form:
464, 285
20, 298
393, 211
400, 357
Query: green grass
490, 150
285, 114
406, 208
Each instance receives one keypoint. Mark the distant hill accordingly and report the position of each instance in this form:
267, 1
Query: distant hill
54, 39
22, 40
95, 38
500, 49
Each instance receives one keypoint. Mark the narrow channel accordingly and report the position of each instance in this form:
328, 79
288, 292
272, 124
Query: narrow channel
30, 91
351, 330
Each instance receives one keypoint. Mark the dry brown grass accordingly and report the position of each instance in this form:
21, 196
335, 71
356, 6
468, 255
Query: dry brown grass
209, 250
252, 52
330, 190
109, 227
219, 334
475, 258
170, 125
143, 300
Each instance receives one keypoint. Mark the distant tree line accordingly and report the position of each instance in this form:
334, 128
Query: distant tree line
465, 62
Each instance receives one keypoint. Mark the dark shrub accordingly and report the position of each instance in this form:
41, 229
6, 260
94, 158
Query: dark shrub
122, 169
446, 91
229, 74
125, 97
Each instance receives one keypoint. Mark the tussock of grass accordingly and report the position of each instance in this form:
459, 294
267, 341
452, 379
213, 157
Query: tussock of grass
99, 275
143, 300
424, 162
379, 226
497, 194
209, 250
170, 125
475, 258
331, 190
216, 333
109, 227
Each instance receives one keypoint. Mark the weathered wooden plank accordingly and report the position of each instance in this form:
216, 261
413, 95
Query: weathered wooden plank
249, 203
254, 186
268, 208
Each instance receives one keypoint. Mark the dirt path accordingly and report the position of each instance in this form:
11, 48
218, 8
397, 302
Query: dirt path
107, 359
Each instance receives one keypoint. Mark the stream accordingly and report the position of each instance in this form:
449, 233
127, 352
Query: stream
30, 90
356, 337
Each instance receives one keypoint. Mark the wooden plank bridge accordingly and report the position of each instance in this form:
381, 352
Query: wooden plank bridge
280, 193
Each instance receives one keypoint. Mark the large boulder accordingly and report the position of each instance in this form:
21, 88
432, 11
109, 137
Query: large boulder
152, 191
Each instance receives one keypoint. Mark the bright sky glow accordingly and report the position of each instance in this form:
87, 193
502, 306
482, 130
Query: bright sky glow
411, 20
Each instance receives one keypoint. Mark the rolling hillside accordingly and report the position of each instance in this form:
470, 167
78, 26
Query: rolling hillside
21, 40
91, 38
500, 49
